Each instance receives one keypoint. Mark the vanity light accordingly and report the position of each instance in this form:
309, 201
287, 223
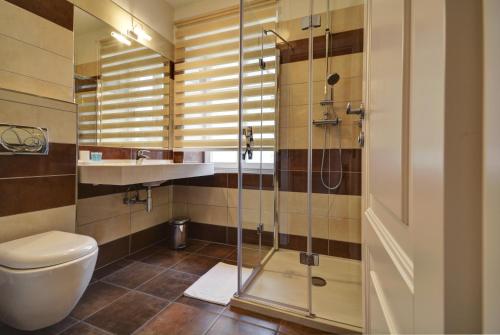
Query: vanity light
139, 34
119, 37
142, 34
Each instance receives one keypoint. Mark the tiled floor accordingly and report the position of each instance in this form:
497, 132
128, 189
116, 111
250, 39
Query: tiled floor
143, 295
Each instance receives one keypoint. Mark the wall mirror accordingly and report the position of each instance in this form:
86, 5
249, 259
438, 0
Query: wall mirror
121, 87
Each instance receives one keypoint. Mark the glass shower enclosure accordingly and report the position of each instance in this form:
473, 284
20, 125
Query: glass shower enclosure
298, 250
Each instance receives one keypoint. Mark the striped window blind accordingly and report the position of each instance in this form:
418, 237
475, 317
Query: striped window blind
206, 81
132, 98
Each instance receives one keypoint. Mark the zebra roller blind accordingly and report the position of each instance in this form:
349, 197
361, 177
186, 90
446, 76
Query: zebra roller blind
206, 80
131, 105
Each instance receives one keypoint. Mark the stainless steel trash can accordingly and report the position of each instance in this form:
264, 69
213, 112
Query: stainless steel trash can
177, 228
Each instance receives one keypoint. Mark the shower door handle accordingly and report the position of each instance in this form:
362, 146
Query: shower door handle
359, 111
361, 139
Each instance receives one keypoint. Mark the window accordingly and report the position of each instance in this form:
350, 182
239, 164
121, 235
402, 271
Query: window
132, 105
206, 83
228, 160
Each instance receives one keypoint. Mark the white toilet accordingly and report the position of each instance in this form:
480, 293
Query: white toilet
43, 276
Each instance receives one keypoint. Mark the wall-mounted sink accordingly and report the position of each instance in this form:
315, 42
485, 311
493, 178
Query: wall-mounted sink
149, 171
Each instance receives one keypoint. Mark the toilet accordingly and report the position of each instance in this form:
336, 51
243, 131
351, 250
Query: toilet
43, 276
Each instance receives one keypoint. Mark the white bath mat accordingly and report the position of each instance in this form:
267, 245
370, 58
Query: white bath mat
217, 285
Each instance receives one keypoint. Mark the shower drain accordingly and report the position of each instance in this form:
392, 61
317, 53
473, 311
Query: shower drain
318, 281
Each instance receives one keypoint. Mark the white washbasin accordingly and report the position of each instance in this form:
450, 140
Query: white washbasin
128, 171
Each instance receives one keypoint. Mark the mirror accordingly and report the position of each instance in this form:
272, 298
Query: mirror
121, 87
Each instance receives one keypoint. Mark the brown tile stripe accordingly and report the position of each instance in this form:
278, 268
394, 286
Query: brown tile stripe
86, 85
229, 180
125, 246
290, 181
296, 181
113, 251
222, 234
60, 160
57, 11
296, 160
189, 157
343, 43
147, 237
21, 195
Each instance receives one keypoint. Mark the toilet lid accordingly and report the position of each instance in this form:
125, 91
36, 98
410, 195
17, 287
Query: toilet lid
46, 249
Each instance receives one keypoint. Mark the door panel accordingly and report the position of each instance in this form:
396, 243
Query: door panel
387, 242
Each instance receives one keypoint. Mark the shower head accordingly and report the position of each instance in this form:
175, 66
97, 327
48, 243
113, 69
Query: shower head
333, 78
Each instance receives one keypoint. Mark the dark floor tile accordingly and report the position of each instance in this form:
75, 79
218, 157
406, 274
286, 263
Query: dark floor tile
165, 258
195, 245
229, 326
133, 275
83, 329
141, 254
253, 318
289, 328
128, 313
216, 250
179, 319
196, 264
168, 285
52, 330
109, 269
200, 304
97, 296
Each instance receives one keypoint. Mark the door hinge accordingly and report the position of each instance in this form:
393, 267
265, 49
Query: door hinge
309, 259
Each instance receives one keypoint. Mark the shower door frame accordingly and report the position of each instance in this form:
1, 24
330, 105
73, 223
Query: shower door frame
242, 286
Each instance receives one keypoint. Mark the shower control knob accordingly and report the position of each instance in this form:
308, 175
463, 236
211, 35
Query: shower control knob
361, 139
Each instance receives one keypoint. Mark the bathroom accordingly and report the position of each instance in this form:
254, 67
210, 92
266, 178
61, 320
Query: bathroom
249, 166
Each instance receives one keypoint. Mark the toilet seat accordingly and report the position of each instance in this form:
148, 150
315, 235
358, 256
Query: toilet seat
45, 250
43, 276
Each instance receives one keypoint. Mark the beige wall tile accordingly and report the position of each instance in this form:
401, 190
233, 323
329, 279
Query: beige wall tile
40, 101
26, 224
61, 124
180, 193
161, 196
252, 199
141, 220
32, 29
345, 206
39, 87
215, 215
251, 219
179, 209
296, 203
213, 196
107, 230
31, 61
348, 230
296, 224
98, 208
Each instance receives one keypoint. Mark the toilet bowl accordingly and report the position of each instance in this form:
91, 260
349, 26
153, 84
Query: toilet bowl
43, 276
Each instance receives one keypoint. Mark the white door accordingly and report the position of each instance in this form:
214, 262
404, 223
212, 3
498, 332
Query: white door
388, 264
422, 163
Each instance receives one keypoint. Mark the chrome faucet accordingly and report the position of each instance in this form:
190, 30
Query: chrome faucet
141, 155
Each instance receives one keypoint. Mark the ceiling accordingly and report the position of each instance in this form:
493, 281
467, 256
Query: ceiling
179, 3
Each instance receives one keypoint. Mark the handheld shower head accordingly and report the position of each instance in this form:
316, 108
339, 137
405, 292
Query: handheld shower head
333, 78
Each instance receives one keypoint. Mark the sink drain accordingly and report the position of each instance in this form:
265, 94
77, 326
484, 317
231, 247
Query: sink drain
318, 281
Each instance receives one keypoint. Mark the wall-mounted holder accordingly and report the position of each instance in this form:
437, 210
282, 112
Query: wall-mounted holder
23, 140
